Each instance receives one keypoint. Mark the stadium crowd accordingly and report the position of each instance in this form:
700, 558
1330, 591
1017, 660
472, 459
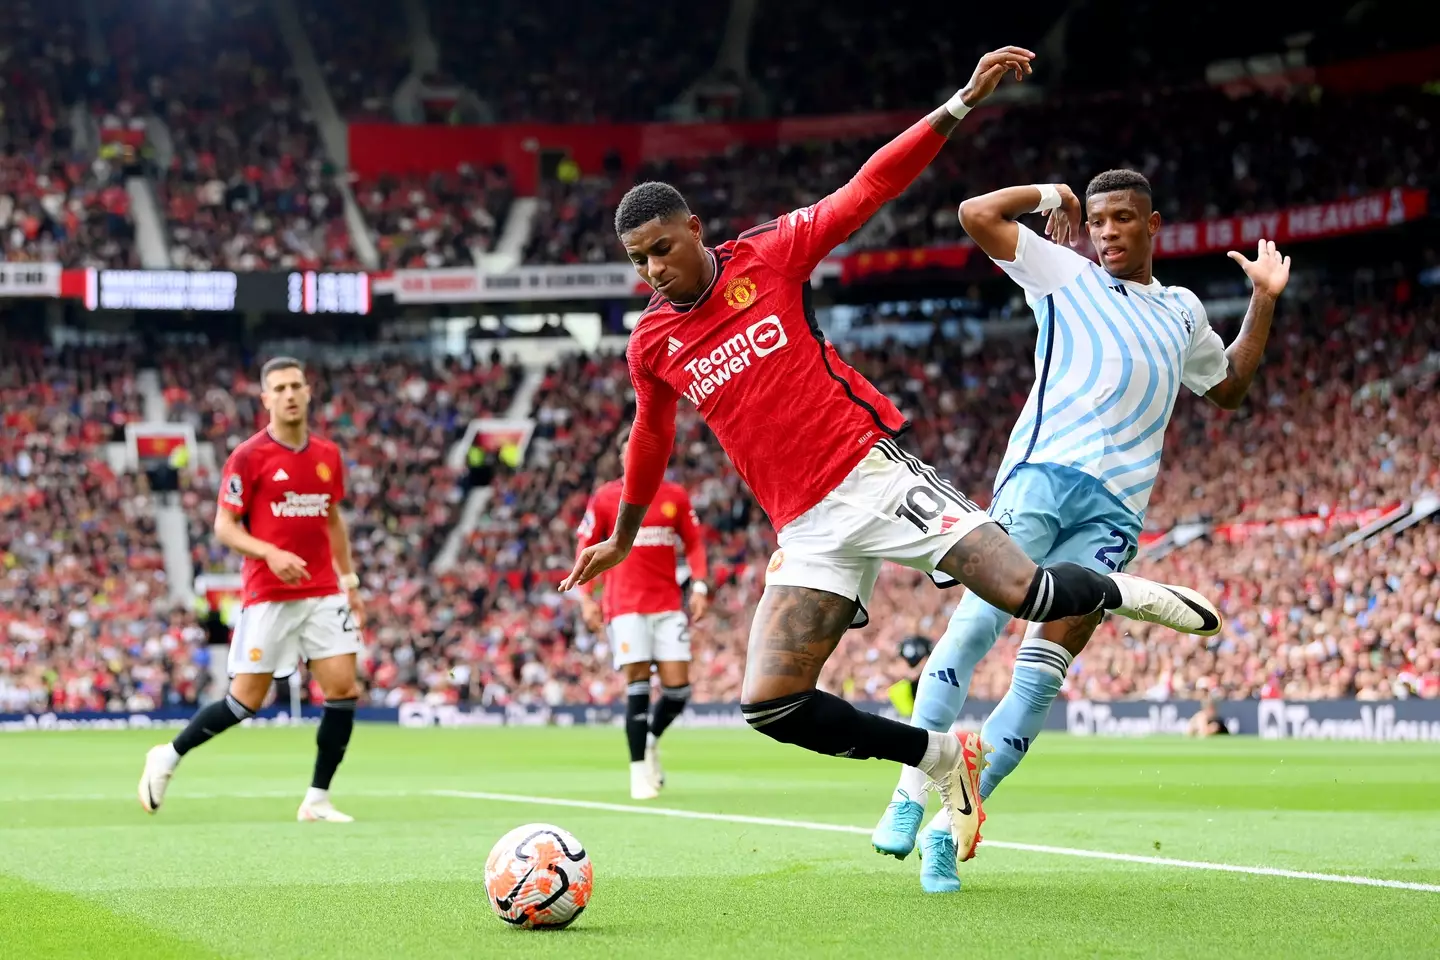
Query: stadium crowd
203, 100
1301, 623
90, 623
1206, 155
86, 617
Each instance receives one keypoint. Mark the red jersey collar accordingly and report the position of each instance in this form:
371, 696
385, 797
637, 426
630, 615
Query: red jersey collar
275, 439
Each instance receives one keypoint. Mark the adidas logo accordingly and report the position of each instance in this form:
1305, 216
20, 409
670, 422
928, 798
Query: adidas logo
1018, 744
280, 475
947, 522
946, 676
675, 347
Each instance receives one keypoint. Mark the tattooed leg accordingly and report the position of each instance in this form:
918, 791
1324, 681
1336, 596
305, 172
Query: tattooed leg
988, 562
794, 632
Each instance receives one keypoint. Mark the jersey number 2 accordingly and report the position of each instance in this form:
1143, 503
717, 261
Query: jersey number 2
347, 621
1106, 554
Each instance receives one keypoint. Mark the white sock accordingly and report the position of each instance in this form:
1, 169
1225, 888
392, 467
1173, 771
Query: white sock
316, 795
650, 741
911, 786
639, 768
941, 822
171, 758
941, 754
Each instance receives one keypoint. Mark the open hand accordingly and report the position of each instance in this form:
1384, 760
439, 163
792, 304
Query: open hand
992, 69
1269, 272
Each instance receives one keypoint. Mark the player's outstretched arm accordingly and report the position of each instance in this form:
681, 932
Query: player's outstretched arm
990, 218
1269, 272
807, 236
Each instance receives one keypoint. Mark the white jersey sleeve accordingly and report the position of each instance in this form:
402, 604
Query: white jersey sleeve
1206, 363
1041, 267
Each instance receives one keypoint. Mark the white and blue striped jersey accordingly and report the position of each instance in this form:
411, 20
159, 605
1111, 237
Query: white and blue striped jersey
1109, 361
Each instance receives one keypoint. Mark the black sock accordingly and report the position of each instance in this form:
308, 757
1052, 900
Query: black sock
637, 717
336, 724
824, 723
211, 720
671, 705
1067, 590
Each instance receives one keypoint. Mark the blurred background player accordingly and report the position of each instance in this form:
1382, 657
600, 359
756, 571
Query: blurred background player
732, 330
912, 652
1207, 721
280, 495
1115, 345
642, 614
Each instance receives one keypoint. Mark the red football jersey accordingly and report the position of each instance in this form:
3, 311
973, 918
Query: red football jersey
794, 418
284, 496
645, 581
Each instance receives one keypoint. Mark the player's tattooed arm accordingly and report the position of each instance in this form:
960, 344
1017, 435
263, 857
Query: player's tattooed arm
627, 523
599, 557
794, 632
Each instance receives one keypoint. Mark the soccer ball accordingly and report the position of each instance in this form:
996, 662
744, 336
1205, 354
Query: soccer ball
538, 877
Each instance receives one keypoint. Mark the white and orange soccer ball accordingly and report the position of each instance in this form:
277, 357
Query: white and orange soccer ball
538, 877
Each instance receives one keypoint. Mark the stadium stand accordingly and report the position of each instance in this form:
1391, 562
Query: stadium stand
205, 105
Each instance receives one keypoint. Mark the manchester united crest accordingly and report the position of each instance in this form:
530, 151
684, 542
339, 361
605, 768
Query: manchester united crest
740, 292
669, 510
776, 560
323, 472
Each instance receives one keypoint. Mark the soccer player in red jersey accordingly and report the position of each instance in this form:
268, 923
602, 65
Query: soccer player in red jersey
280, 495
640, 608
731, 330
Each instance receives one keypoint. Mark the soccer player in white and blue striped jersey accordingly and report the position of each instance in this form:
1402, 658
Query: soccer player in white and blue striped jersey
1115, 345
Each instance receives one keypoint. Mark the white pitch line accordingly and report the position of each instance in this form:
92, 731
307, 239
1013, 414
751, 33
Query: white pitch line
777, 822
1000, 844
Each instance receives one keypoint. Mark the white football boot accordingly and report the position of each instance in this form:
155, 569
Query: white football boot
320, 809
641, 786
1178, 608
960, 792
160, 763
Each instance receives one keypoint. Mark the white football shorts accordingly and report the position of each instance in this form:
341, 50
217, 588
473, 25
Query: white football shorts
649, 637
275, 637
893, 507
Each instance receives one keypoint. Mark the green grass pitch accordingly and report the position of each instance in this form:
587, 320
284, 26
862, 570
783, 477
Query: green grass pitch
225, 871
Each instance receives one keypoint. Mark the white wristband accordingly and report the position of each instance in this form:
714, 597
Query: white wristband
700, 587
957, 107
1049, 197
350, 581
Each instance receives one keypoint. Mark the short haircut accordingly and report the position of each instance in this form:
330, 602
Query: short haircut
279, 363
1112, 180
648, 201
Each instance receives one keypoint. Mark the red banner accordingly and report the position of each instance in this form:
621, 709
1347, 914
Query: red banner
1307, 523
1374, 211
379, 148
858, 266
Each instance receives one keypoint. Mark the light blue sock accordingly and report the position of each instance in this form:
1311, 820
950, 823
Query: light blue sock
1040, 668
973, 629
